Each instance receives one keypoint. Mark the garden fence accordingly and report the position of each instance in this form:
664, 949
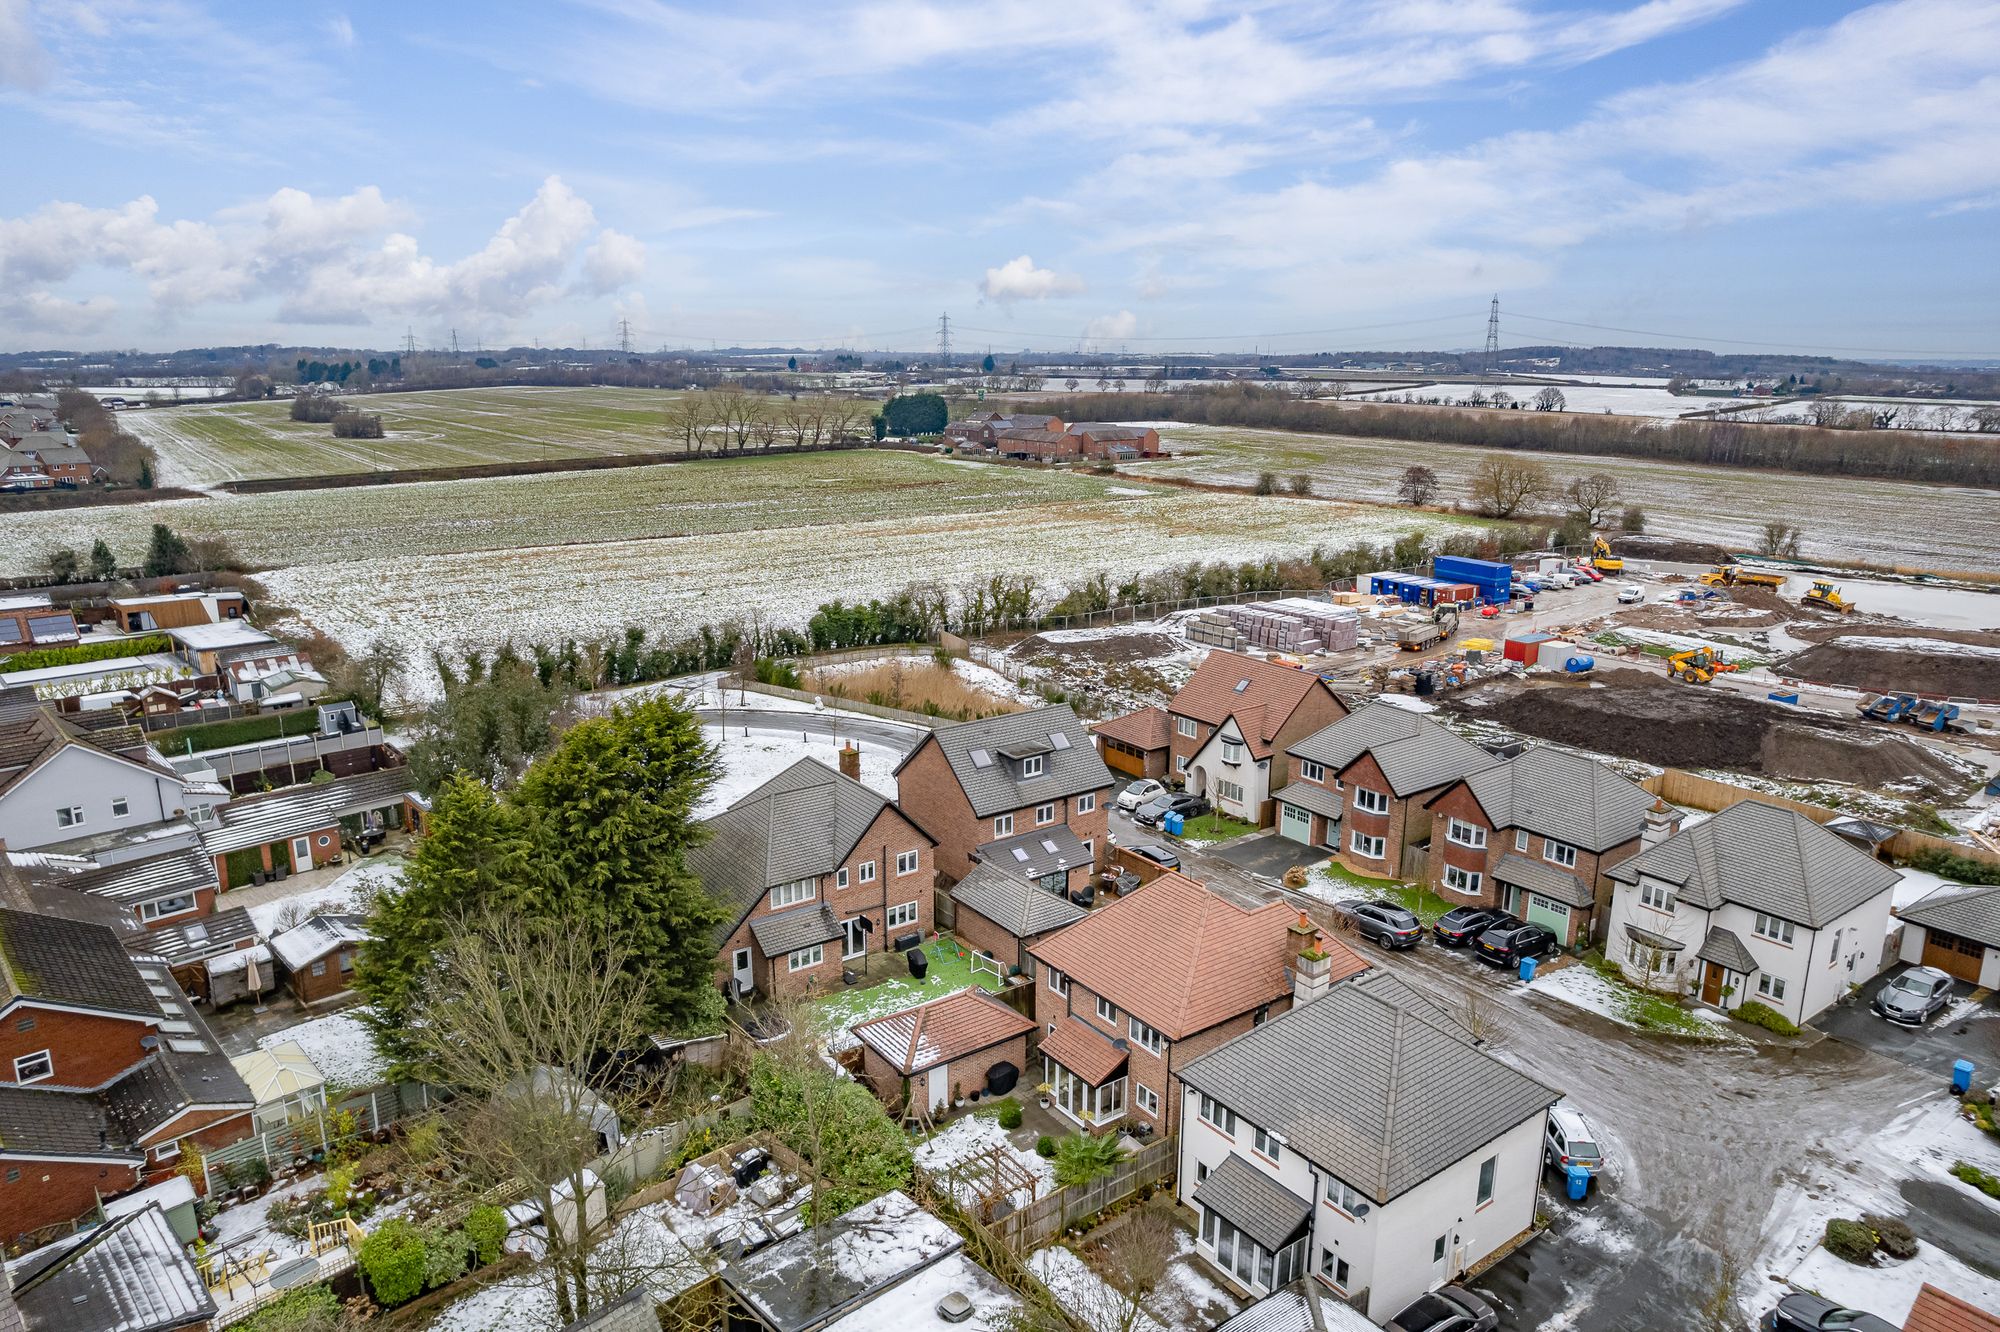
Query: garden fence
1029, 1228
279, 1148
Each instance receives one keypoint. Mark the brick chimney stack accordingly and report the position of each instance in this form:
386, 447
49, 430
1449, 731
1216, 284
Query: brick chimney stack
850, 761
1662, 822
1312, 967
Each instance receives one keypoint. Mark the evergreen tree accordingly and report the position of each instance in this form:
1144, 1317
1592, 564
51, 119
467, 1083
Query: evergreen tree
145, 474
103, 564
166, 555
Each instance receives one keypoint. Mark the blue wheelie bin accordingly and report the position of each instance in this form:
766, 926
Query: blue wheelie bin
1527, 969
1579, 1182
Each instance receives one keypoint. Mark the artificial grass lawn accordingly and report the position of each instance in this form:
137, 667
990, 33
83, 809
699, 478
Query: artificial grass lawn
898, 989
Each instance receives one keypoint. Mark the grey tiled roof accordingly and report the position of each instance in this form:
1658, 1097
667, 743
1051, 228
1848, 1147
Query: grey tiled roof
197, 939
259, 820
1021, 908
800, 824
59, 1123
1315, 798
1254, 1203
1293, 1308
801, 927
1723, 948
631, 1312
1538, 876
1562, 795
1043, 851
1968, 912
1415, 753
1767, 859
68, 961
1375, 1089
132, 1275
1665, 943
1069, 768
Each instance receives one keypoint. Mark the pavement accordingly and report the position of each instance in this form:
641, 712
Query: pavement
1965, 1030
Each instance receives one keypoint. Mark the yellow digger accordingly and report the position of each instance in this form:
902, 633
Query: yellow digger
1735, 575
1827, 597
1601, 558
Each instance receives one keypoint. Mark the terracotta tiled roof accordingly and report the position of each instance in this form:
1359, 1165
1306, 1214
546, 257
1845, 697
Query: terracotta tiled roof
1268, 695
1181, 958
949, 1028
1084, 1051
1148, 728
1937, 1311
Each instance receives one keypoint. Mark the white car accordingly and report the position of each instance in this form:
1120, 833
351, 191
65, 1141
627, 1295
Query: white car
1138, 793
1631, 594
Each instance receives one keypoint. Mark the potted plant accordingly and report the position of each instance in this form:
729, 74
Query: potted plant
1042, 1095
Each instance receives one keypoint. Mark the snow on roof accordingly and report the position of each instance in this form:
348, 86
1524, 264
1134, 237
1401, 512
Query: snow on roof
228, 964
205, 637
315, 939
175, 1192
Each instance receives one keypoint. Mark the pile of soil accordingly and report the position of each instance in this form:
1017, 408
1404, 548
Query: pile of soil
1640, 716
1848, 660
1673, 550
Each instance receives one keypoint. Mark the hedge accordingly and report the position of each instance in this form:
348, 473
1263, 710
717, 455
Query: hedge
40, 658
1850, 1240
394, 1261
1767, 1017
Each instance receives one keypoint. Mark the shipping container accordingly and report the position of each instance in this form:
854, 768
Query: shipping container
1491, 577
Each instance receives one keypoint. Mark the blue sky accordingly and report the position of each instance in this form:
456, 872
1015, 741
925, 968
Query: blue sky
1743, 174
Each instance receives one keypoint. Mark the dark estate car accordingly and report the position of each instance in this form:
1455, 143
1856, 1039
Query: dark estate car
1159, 855
1446, 1309
1810, 1313
1388, 924
1915, 997
1505, 945
1461, 925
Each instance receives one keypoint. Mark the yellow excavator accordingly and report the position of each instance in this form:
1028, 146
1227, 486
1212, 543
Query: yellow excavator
1601, 558
1827, 597
1698, 665
1735, 575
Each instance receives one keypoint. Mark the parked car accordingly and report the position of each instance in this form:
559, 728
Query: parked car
1569, 1141
1446, 1309
1505, 945
1388, 924
1156, 853
1631, 594
1461, 925
1149, 814
1811, 1313
1583, 570
1915, 997
1189, 805
1138, 793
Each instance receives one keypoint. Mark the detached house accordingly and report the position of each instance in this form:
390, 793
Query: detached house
63, 777
1025, 791
1128, 996
1362, 786
1359, 1141
1232, 722
817, 872
1536, 836
1757, 903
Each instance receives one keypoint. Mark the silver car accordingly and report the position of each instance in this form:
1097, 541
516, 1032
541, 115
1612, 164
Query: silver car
1570, 1141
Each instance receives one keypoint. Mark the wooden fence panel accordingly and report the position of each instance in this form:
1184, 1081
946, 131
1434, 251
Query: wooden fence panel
1041, 1221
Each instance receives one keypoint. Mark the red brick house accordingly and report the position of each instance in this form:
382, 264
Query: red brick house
1233, 721
318, 956
1050, 445
817, 873
1360, 787
1025, 791
1534, 835
300, 827
1002, 914
1152, 981
1102, 439
1136, 744
106, 1073
920, 1060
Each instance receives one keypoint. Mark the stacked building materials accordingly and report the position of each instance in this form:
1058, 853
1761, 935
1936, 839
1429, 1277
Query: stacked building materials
1294, 625
1213, 629
1336, 627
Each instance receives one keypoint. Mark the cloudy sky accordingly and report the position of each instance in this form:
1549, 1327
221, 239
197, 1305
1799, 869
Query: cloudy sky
1740, 174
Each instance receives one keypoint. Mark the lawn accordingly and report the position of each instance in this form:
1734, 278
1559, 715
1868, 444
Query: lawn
950, 971
1415, 897
1215, 826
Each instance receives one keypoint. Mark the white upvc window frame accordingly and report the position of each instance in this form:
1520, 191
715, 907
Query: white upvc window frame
1003, 825
909, 862
795, 893
900, 915
1460, 833
48, 1066
1086, 803
804, 959
1364, 800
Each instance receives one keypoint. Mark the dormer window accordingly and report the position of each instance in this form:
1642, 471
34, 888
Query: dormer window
1031, 766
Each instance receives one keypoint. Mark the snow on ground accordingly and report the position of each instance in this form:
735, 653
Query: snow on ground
1580, 987
1916, 884
1408, 703
340, 1047
749, 760
351, 892
1888, 1291
1191, 1298
977, 1136
1938, 646
645, 1245
1094, 1301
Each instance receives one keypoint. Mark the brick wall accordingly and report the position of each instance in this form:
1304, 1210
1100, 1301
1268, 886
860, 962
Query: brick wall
87, 1050
34, 1194
928, 791
1319, 709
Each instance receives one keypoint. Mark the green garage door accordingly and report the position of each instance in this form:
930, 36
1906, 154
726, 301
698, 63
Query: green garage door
1295, 823
1547, 911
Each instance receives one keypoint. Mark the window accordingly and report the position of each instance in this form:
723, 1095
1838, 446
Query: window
1106, 1009
1232, 751
1311, 772
1268, 1145
69, 817
1833, 958
166, 1151
1520, 839
1044, 814
1462, 881
1347, 1200
1333, 1268
1486, 1170
1465, 834
120, 807
865, 871
1185, 726
34, 1067
319, 967
906, 862
1559, 853
805, 957
1180, 763
1774, 929
1003, 826
1369, 848
901, 915
1370, 802
1146, 1036
1031, 766
1146, 1098
1086, 803
793, 893
1657, 896
166, 906
346, 963
1437, 1250
1771, 987
1231, 791
1218, 1114
840, 877
1059, 983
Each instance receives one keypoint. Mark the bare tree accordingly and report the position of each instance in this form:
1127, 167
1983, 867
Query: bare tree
1828, 413
1780, 538
1550, 400
1590, 495
688, 420
1503, 486
843, 420
735, 413
1418, 487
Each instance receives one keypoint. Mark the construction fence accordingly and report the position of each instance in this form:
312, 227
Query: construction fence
1696, 792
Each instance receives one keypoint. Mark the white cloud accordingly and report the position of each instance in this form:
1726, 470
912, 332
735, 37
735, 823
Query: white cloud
340, 29
40, 311
23, 63
1112, 327
614, 260
1019, 280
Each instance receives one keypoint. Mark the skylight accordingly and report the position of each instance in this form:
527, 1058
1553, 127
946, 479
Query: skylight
981, 759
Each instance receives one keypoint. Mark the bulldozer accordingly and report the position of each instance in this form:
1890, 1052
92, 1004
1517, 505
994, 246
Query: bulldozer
1735, 575
1601, 558
1827, 597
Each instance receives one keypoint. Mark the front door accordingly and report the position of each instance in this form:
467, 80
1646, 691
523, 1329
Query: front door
1440, 1260
302, 854
1711, 983
854, 941
745, 980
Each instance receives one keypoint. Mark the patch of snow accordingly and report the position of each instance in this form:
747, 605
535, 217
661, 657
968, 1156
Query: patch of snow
340, 1046
1935, 646
750, 760
1580, 987
1914, 886
1888, 1290
1096, 1303
352, 893
978, 1136
1126, 490
1407, 702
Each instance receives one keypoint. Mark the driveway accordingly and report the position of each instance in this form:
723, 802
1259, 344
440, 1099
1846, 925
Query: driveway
1965, 1030
1264, 853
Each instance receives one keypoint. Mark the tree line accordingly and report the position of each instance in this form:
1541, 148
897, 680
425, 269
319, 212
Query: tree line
734, 420
117, 450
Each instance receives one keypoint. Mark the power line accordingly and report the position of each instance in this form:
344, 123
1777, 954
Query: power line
1701, 339
1493, 334
625, 336
1228, 337
944, 339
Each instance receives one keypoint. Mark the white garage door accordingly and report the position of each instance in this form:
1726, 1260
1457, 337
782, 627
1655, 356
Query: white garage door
1295, 823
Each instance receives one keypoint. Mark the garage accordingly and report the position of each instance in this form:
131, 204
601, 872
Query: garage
1953, 954
1295, 824
1955, 928
1549, 912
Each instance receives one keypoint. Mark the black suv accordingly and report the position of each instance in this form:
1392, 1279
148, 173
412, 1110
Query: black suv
1810, 1313
1461, 925
1388, 924
1505, 945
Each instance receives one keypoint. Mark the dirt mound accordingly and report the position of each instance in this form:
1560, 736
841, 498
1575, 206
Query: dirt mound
1671, 549
1852, 660
1656, 721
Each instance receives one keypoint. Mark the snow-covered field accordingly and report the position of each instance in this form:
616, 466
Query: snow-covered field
1620, 399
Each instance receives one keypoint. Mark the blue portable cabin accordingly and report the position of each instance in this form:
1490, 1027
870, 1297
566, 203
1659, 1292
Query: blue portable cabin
1491, 577
1413, 589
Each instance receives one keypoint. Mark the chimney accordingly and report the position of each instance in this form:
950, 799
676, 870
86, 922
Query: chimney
850, 761
1312, 968
1662, 822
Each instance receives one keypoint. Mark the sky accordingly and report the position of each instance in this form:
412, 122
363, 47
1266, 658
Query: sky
1745, 175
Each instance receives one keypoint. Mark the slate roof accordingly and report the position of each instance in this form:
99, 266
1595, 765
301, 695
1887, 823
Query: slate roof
1414, 752
801, 927
1969, 912
1043, 851
29, 739
1262, 695
1302, 1306
1370, 1087
1108, 430
1086, 1051
1318, 799
800, 824
261, 819
1182, 958
130, 1275
193, 940
950, 1028
1254, 1203
1561, 795
1725, 949
41, 1120
68, 962
1767, 859
634, 1311
1070, 766
1021, 908
1148, 728
1539, 876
